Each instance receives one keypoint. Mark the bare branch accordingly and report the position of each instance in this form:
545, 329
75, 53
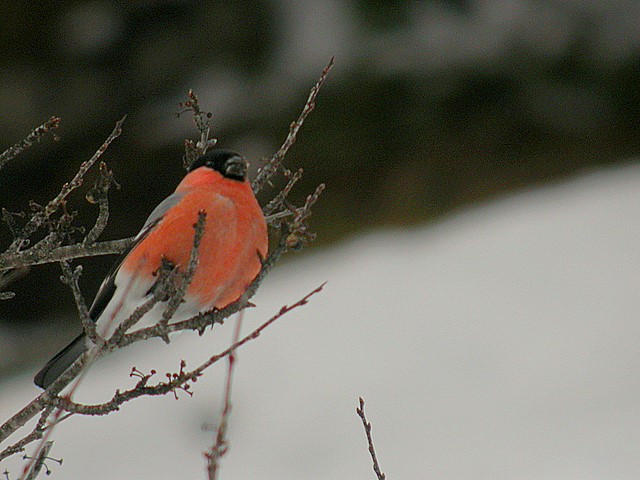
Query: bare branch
99, 195
37, 256
185, 280
279, 199
164, 279
39, 462
70, 278
40, 217
367, 429
299, 235
203, 123
200, 322
119, 340
35, 135
177, 380
271, 167
255, 334
48, 243
36, 434
221, 446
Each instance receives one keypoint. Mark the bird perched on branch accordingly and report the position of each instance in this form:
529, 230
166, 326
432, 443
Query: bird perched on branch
233, 243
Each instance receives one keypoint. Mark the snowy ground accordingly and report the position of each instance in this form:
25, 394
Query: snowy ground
503, 343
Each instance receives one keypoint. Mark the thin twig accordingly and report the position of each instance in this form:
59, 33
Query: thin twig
41, 216
38, 462
52, 241
139, 312
35, 135
279, 199
372, 451
177, 381
42, 403
70, 277
36, 434
202, 120
46, 429
298, 233
99, 195
305, 212
221, 446
176, 298
271, 167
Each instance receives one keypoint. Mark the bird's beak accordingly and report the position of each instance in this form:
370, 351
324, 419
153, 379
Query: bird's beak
236, 167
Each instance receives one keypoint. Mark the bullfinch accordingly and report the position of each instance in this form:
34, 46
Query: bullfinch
233, 244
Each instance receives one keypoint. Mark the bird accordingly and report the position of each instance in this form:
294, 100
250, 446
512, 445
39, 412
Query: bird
233, 245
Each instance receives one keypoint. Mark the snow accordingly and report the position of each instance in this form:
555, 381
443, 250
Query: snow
500, 343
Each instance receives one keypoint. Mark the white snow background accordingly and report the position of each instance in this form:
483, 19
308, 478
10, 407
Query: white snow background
500, 343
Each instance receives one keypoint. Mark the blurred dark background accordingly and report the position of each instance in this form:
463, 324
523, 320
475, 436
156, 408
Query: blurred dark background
432, 106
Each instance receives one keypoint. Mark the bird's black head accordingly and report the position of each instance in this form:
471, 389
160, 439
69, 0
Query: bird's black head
229, 164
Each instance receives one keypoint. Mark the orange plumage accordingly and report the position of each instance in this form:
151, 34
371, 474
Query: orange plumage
231, 250
235, 238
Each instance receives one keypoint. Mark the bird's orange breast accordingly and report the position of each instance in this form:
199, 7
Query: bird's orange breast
234, 240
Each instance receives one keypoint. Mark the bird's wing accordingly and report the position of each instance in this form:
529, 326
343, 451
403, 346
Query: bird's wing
108, 286
158, 212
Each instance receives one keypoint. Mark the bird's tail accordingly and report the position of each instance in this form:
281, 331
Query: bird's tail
58, 364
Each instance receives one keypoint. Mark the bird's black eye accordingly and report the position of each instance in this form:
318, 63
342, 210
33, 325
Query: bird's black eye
229, 164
